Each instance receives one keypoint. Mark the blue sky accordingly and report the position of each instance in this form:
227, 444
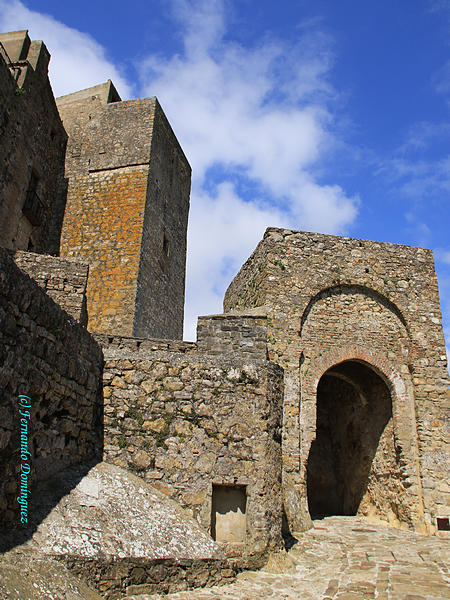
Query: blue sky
323, 116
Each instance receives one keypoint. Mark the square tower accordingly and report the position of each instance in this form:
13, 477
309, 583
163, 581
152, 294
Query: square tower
127, 211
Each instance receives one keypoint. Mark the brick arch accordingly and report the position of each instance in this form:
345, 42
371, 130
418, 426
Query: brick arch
373, 359
403, 414
353, 289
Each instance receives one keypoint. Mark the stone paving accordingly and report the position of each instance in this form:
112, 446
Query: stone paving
345, 558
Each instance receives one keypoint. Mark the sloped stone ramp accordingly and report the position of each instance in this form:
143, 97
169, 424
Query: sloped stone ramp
25, 576
114, 531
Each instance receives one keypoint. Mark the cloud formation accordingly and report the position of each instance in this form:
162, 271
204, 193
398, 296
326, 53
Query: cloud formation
77, 62
255, 123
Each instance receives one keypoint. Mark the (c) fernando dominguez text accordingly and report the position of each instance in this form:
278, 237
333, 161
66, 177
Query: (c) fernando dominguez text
25, 455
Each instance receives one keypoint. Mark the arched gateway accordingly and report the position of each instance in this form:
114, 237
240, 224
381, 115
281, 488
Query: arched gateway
356, 326
353, 465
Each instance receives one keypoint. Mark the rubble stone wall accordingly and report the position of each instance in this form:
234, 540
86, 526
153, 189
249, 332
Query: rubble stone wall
134, 576
62, 279
332, 299
187, 421
245, 334
53, 360
141, 346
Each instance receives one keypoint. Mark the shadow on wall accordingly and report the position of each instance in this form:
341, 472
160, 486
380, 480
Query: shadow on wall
50, 358
354, 446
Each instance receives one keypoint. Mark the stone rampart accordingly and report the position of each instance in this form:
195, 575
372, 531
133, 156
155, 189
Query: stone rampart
53, 360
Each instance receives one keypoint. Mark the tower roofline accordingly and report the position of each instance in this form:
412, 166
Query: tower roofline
105, 91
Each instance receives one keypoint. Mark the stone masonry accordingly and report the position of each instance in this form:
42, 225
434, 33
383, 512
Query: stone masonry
197, 425
64, 280
356, 325
32, 149
321, 391
49, 357
127, 209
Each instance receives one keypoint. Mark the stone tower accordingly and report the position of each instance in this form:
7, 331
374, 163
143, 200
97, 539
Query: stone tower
357, 327
127, 210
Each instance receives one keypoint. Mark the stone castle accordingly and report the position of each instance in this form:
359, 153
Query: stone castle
322, 389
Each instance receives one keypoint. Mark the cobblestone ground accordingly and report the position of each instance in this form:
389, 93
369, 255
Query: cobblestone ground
345, 558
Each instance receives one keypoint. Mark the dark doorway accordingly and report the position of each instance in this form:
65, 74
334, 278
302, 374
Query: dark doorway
353, 408
228, 516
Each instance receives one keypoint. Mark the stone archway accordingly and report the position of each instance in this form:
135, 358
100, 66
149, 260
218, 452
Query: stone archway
353, 466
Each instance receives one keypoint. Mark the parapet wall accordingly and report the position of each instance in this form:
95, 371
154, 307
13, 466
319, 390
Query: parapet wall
62, 279
116, 344
244, 333
47, 356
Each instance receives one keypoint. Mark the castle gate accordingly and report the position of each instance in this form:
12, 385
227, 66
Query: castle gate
352, 466
358, 442
356, 326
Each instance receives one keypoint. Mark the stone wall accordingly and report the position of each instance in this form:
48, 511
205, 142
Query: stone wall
140, 576
160, 287
126, 213
102, 226
334, 300
62, 279
243, 333
191, 422
32, 148
141, 346
50, 358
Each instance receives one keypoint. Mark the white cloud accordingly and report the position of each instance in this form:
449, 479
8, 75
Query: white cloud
256, 115
416, 175
77, 62
440, 6
259, 116
441, 79
442, 255
223, 230
413, 168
